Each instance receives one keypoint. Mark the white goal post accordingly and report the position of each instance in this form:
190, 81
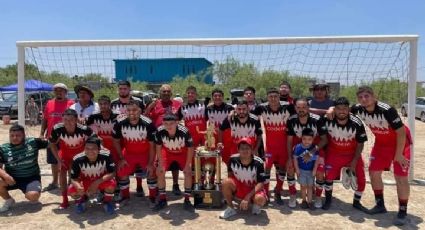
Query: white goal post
315, 45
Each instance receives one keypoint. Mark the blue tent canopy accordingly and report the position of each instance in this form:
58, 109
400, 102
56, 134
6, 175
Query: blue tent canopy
30, 85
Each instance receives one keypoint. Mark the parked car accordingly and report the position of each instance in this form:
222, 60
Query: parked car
419, 109
9, 106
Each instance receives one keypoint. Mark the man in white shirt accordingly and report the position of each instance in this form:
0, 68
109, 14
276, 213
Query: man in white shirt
85, 105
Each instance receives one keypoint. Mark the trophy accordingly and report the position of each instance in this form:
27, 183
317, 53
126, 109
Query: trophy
207, 193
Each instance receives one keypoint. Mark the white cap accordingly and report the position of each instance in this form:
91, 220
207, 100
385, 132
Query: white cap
60, 85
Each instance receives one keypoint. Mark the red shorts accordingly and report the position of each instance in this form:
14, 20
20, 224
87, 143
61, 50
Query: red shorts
381, 159
276, 156
242, 190
334, 164
66, 158
135, 161
171, 158
86, 184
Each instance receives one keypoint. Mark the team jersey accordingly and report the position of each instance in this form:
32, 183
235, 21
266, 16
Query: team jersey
383, 122
299, 152
295, 128
120, 108
343, 139
83, 168
217, 114
53, 113
249, 175
21, 161
135, 138
275, 122
177, 144
160, 108
103, 128
193, 115
70, 143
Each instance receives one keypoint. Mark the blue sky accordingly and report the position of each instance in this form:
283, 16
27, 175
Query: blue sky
78, 19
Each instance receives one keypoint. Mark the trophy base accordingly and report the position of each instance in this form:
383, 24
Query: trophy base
208, 199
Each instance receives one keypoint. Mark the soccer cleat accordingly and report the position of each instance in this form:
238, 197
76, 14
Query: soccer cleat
80, 207
304, 205
292, 202
176, 190
123, 201
50, 187
7, 204
140, 192
400, 219
227, 213
256, 209
346, 177
377, 210
188, 206
64, 205
357, 205
327, 204
278, 198
318, 202
160, 205
109, 208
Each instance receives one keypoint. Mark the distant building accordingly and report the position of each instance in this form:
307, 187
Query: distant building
157, 71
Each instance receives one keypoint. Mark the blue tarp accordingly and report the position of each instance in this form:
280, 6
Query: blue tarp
30, 85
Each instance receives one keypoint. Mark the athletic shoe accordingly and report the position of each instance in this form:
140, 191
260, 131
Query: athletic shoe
256, 209
327, 204
188, 206
304, 205
80, 207
109, 208
292, 202
140, 192
229, 212
64, 205
278, 198
353, 182
176, 190
357, 205
377, 210
400, 219
318, 202
50, 187
7, 204
346, 177
160, 205
123, 201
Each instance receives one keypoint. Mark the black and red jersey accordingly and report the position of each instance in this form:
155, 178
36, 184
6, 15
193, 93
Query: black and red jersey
70, 143
103, 127
343, 139
295, 127
249, 175
120, 108
135, 138
193, 115
383, 122
217, 114
176, 144
84, 169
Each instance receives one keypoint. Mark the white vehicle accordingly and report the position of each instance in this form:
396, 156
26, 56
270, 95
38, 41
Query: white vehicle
419, 108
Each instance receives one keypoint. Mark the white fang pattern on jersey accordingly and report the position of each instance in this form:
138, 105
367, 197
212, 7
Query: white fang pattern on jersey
74, 140
298, 129
93, 170
242, 130
103, 127
244, 175
134, 133
217, 117
340, 134
173, 144
275, 119
193, 112
376, 121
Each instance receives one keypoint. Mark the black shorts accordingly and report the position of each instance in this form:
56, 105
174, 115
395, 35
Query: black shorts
27, 184
51, 159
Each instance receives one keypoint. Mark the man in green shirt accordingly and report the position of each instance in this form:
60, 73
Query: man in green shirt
21, 170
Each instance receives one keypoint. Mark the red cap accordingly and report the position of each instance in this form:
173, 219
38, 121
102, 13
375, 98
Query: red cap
246, 141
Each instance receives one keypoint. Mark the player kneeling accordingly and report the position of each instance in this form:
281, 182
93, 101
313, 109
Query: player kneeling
174, 147
92, 171
245, 182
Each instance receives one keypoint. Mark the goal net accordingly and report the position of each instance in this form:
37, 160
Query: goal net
387, 63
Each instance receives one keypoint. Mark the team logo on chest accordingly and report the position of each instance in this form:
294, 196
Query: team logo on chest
73, 141
245, 175
173, 143
217, 116
95, 170
192, 112
374, 121
341, 133
138, 133
242, 130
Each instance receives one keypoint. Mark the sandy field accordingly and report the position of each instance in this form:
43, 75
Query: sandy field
137, 214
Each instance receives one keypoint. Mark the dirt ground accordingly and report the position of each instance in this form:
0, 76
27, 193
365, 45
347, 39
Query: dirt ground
137, 214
